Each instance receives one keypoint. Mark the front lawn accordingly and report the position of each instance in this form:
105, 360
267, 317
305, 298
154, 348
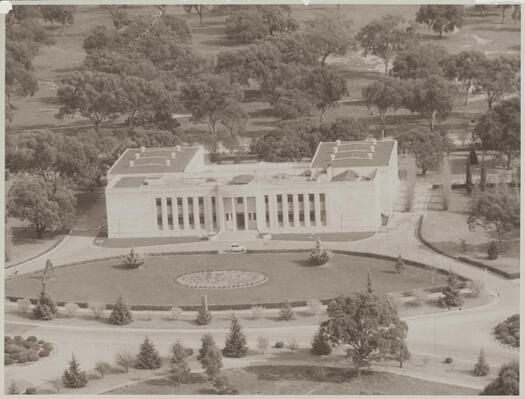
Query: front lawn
299, 380
290, 277
446, 229
352, 236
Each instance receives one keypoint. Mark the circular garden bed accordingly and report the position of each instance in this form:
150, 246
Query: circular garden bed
21, 351
221, 279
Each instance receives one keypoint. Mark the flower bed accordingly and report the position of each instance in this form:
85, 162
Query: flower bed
20, 350
221, 279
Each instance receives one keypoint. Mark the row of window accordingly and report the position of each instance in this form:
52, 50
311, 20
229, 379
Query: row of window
301, 209
178, 207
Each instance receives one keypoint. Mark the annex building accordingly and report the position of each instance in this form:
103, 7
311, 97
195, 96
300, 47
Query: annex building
165, 192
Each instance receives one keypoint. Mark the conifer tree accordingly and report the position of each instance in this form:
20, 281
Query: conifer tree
235, 344
73, 377
13, 389
179, 366
203, 315
120, 315
483, 176
400, 264
468, 178
148, 357
473, 157
481, 368
286, 312
210, 357
45, 308
369, 282
320, 345
452, 292
319, 255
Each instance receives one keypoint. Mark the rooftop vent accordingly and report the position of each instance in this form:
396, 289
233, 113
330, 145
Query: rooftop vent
338, 143
142, 149
374, 141
131, 163
178, 147
173, 155
168, 162
370, 155
372, 148
332, 157
137, 155
334, 149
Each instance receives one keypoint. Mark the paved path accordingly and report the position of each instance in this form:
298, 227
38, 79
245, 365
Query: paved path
458, 334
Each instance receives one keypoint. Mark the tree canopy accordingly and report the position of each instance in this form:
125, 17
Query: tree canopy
507, 382
384, 38
498, 76
427, 147
465, 68
421, 61
441, 17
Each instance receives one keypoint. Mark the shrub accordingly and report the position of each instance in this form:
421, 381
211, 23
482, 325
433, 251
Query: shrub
120, 315
133, 259
319, 374
319, 255
448, 360
473, 157
223, 386
203, 315
97, 309
257, 312
12, 348
235, 344
31, 338
400, 265
508, 381
32, 355
124, 360
148, 357
292, 346
286, 312
175, 313
43, 353
47, 346
262, 344
481, 368
18, 338
463, 244
210, 357
30, 391
279, 345
8, 361
320, 345
13, 389
475, 288
24, 305
451, 293
314, 306
102, 368
73, 377
179, 368
45, 308
493, 250
70, 309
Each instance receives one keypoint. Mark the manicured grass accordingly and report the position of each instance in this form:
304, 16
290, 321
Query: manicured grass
299, 380
353, 236
141, 242
290, 277
445, 229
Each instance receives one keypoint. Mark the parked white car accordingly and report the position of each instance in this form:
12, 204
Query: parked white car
236, 248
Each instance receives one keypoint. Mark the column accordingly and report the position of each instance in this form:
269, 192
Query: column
285, 210
234, 214
272, 208
245, 204
219, 208
208, 212
306, 199
175, 213
196, 221
295, 200
164, 209
317, 210
185, 218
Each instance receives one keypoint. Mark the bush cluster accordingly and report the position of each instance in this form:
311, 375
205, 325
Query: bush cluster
508, 331
20, 350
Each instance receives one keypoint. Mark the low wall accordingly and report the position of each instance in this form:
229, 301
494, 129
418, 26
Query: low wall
463, 259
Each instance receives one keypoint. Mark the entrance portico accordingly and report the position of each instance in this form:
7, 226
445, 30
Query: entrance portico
239, 213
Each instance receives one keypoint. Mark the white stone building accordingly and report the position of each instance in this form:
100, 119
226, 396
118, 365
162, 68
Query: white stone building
165, 192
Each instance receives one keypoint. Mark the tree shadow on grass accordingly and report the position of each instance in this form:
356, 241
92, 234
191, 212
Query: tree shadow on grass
336, 375
26, 235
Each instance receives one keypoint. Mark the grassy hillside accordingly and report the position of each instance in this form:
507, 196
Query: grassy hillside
485, 34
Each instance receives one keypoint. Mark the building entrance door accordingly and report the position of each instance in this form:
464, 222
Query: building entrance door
240, 221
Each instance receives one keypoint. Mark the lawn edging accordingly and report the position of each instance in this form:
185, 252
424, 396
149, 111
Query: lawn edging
56, 244
242, 306
492, 269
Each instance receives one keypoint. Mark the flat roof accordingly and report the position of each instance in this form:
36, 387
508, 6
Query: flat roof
352, 154
153, 160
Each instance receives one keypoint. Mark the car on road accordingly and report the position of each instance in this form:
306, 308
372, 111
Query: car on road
236, 248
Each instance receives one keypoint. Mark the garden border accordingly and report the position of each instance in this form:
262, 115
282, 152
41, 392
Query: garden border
492, 269
242, 306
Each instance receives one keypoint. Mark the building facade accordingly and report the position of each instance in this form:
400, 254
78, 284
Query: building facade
173, 192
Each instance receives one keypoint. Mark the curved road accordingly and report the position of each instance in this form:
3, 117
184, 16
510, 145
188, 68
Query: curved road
459, 334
